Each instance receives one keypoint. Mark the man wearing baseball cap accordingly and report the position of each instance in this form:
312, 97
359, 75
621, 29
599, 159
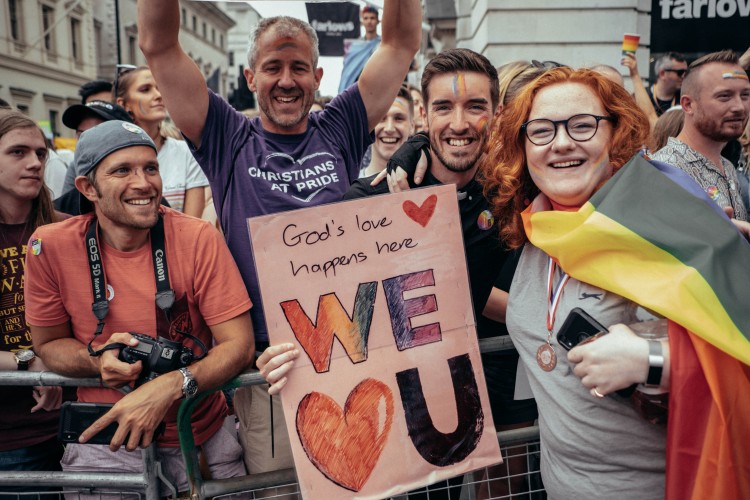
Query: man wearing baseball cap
81, 117
129, 265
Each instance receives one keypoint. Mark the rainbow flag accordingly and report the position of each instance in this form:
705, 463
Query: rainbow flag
650, 234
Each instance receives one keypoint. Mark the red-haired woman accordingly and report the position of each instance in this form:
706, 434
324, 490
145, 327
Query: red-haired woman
557, 143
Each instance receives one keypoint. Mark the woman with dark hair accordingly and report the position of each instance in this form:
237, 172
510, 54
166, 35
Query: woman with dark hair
184, 181
28, 421
603, 230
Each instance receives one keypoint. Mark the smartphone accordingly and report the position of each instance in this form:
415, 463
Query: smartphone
76, 417
578, 326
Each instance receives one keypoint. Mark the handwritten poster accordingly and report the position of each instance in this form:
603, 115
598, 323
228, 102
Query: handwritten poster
388, 394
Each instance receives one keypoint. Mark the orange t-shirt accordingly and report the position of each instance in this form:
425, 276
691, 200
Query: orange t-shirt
207, 284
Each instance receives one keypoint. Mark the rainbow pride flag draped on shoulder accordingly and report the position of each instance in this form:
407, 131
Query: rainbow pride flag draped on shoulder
652, 235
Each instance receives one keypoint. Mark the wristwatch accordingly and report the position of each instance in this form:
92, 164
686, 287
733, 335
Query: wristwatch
24, 357
655, 363
189, 384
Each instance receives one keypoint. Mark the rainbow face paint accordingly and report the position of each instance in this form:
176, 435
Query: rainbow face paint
459, 85
482, 124
737, 74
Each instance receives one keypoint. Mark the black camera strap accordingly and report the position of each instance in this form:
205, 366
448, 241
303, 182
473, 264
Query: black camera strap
164, 294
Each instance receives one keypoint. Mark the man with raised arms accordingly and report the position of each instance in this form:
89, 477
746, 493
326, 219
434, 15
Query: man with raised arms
285, 158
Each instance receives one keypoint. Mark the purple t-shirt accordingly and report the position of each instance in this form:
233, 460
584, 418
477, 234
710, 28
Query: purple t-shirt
253, 172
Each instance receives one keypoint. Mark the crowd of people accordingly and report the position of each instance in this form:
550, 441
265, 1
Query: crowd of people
124, 235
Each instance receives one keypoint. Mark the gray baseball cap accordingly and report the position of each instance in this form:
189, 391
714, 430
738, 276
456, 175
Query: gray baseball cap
101, 141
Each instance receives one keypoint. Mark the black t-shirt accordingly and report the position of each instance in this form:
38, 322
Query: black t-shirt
485, 254
662, 106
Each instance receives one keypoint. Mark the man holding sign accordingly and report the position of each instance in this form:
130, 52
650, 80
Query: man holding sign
284, 159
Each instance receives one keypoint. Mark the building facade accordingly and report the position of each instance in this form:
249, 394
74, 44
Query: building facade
245, 17
573, 32
51, 47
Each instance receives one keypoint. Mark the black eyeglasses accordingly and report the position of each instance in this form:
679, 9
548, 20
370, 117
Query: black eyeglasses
580, 128
121, 69
678, 72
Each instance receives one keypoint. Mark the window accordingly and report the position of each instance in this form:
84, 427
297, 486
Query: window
53, 122
195, 24
184, 16
204, 30
221, 40
99, 40
231, 58
132, 49
213, 36
14, 10
75, 39
48, 21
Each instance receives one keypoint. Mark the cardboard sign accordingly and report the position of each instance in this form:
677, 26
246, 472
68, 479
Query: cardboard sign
388, 393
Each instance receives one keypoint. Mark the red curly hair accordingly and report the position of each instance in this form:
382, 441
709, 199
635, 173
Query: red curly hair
503, 172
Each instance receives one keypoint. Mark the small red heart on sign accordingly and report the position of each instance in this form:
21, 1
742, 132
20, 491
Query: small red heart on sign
421, 215
346, 445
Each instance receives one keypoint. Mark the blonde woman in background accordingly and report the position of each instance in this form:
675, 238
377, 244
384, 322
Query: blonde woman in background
183, 180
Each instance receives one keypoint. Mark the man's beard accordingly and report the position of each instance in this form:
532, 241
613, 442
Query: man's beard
463, 163
714, 130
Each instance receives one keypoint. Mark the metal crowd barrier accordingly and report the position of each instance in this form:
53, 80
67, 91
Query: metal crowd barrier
522, 443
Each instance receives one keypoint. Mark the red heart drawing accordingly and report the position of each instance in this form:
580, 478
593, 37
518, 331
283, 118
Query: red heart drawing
421, 215
346, 445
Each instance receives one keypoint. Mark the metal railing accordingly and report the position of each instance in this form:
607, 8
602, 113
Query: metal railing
514, 443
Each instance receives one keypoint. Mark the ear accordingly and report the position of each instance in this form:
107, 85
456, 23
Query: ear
498, 110
86, 188
318, 76
688, 104
250, 78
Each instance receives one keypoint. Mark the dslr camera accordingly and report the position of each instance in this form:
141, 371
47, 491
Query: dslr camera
159, 355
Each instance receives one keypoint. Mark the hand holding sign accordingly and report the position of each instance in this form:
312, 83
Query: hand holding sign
369, 311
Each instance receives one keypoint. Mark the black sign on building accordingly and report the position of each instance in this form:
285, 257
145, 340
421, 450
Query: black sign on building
334, 22
698, 27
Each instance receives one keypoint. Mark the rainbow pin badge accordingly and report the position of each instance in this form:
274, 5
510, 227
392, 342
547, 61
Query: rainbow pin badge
485, 220
36, 246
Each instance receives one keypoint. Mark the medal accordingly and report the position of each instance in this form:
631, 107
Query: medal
546, 357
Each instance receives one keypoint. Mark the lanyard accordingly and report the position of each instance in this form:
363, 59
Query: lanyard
100, 307
553, 297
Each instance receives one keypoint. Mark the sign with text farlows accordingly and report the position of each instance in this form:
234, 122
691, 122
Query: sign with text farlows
388, 393
334, 23
699, 26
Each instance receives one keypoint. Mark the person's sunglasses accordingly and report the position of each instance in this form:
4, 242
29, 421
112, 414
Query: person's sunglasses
546, 65
121, 69
678, 72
